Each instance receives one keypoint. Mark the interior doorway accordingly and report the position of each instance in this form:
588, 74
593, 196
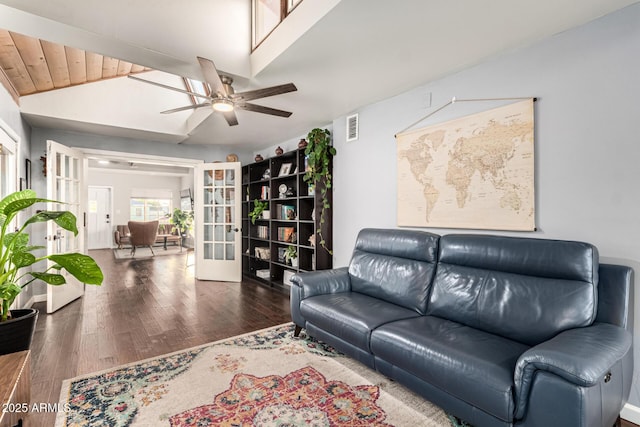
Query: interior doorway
99, 218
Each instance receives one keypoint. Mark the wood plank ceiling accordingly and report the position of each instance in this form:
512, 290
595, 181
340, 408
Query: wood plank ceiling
34, 65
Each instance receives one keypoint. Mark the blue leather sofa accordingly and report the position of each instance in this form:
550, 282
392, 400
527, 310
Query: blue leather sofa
498, 331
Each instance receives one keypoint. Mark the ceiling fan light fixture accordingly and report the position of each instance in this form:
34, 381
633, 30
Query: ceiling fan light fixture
222, 105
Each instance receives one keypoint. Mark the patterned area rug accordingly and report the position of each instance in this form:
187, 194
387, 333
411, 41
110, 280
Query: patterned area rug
266, 378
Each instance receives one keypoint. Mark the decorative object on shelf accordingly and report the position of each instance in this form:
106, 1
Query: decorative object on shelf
27, 173
290, 192
282, 190
43, 159
259, 158
319, 152
266, 214
279, 151
285, 169
258, 207
232, 157
266, 174
312, 240
302, 143
16, 254
292, 256
262, 253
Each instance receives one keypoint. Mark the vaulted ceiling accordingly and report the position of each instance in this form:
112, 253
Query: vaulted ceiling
341, 54
34, 65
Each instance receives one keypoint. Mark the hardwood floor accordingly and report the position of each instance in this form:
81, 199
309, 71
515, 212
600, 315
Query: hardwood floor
144, 308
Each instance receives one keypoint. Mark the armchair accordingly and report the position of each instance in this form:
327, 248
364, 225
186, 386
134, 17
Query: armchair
142, 234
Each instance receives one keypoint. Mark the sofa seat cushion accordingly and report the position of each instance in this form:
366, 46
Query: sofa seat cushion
351, 316
471, 365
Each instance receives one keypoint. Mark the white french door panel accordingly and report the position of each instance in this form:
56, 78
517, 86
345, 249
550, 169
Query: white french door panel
99, 228
218, 216
66, 178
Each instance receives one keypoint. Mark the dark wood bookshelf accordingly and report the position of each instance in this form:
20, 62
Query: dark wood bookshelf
264, 177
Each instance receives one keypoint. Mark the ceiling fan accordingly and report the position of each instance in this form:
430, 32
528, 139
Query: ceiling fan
223, 98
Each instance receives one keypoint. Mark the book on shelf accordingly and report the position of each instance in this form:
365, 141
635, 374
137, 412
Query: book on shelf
262, 232
281, 255
286, 234
264, 192
287, 212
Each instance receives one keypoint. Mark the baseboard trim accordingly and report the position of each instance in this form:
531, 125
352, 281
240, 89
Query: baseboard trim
631, 413
34, 299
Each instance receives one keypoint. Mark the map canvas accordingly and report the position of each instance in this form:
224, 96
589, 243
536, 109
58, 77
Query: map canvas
474, 172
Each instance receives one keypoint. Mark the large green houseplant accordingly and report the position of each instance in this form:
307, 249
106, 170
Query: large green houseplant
319, 153
182, 221
16, 252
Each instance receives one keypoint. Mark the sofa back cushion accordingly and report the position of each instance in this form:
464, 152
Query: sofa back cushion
524, 289
395, 265
166, 228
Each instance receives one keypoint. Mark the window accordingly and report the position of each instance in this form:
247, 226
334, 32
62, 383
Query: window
146, 209
196, 86
266, 15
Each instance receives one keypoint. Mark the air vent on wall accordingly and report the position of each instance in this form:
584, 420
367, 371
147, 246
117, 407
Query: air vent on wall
352, 127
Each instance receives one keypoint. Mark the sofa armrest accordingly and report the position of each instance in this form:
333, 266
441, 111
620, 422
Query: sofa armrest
581, 356
322, 282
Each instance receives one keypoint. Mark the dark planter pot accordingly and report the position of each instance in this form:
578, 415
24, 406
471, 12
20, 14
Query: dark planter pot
16, 333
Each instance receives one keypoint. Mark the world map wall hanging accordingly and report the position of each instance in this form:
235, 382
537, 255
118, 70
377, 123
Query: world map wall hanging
474, 172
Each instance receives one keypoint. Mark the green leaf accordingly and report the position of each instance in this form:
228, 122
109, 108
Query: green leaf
9, 291
22, 259
64, 219
80, 266
24, 198
19, 241
50, 278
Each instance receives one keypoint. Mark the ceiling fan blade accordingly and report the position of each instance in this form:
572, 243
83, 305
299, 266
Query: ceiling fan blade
265, 92
169, 87
231, 118
262, 109
188, 107
211, 76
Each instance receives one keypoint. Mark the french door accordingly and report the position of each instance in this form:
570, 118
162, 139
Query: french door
65, 183
217, 216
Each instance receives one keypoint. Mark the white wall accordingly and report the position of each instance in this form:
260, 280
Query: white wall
10, 114
124, 183
587, 137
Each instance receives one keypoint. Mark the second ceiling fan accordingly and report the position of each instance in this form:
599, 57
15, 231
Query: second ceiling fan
223, 98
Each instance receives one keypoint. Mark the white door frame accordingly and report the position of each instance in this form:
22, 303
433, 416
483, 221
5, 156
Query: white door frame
141, 158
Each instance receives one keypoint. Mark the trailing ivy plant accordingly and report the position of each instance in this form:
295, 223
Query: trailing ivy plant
319, 152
